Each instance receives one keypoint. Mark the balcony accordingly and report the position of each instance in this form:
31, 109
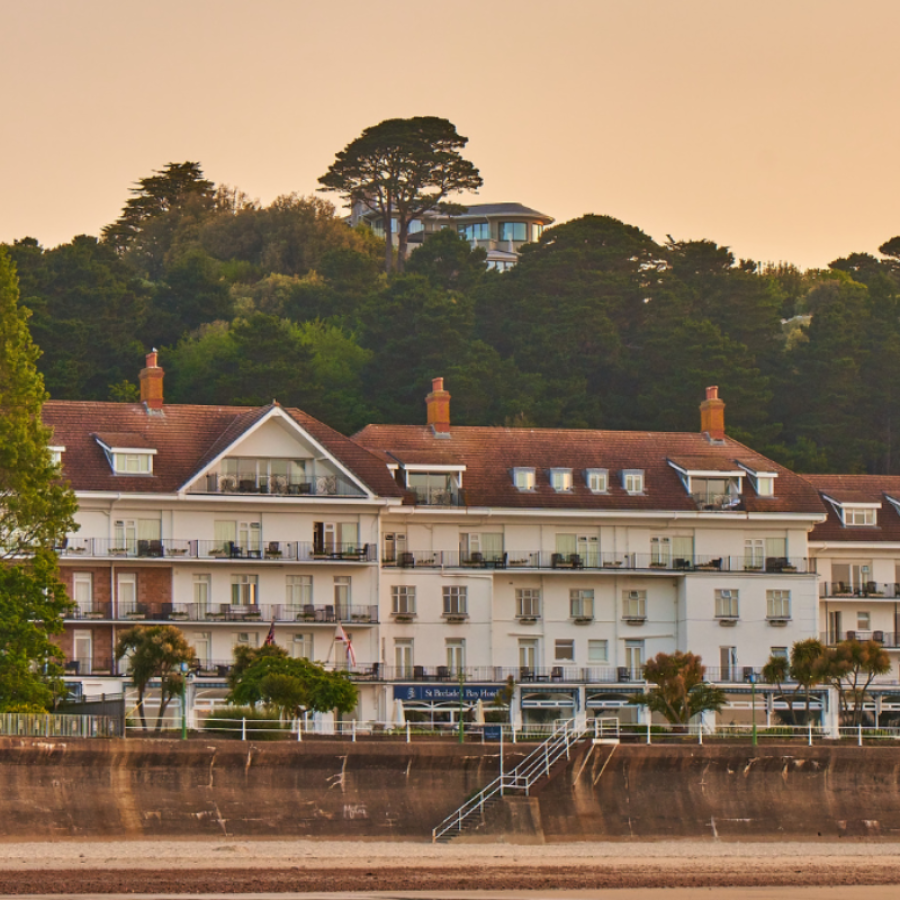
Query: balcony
176, 549
227, 612
865, 590
596, 561
278, 485
717, 502
433, 497
888, 639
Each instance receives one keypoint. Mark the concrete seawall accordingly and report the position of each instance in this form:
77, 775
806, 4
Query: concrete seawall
140, 788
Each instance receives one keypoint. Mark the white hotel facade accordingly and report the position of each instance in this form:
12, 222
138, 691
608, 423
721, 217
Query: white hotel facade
455, 558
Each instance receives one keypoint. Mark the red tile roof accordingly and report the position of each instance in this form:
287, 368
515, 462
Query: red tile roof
858, 489
490, 454
185, 437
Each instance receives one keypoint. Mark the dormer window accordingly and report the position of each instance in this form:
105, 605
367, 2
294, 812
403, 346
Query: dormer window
56, 454
128, 454
136, 463
561, 480
860, 515
524, 479
765, 486
633, 481
597, 480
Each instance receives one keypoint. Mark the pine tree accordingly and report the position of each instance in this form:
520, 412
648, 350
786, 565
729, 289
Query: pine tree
36, 512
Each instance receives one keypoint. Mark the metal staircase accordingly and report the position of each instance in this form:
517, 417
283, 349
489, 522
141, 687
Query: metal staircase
526, 774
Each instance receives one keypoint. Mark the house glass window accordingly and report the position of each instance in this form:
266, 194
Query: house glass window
581, 603
779, 652
598, 652
403, 600
513, 231
863, 620
561, 479
244, 590
564, 650
455, 600
778, 604
633, 481
246, 639
403, 658
528, 602
302, 646
728, 663
481, 546
765, 486
202, 593
126, 592
524, 479
202, 642
342, 596
634, 658
433, 488
859, 515
536, 231
597, 480
726, 604
527, 654
83, 591
477, 231
634, 604
455, 654
298, 590
394, 546
133, 463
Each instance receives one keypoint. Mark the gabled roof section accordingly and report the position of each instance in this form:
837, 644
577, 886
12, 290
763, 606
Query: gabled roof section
186, 438
850, 490
122, 440
490, 455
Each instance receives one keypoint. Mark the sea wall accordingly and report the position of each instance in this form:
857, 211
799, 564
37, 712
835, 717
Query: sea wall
327, 789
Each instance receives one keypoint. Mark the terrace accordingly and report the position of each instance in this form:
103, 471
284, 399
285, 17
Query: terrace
328, 614
597, 561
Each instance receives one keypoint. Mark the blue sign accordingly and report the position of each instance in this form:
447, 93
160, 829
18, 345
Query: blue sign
493, 732
446, 692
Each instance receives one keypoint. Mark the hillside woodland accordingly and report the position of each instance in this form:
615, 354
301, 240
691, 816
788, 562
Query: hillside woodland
599, 326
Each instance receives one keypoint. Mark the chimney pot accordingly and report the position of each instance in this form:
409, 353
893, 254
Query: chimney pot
438, 405
712, 415
151, 378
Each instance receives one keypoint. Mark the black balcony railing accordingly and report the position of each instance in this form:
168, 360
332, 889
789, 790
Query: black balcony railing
596, 560
175, 549
866, 589
228, 612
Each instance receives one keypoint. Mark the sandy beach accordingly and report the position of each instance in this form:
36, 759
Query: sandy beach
238, 866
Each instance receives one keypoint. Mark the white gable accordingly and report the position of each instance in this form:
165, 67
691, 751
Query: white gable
274, 438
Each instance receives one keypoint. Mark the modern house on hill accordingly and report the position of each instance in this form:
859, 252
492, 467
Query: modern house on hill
501, 229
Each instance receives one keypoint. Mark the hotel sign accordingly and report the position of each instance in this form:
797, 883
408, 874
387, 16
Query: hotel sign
437, 692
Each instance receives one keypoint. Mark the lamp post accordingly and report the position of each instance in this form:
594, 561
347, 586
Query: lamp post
184, 671
751, 677
462, 727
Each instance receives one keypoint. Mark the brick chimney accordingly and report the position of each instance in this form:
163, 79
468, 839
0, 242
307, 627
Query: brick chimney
712, 415
438, 403
152, 383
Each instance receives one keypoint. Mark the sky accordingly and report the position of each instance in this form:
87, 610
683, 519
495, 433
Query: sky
769, 126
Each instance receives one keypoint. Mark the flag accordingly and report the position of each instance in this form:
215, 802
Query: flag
270, 637
344, 638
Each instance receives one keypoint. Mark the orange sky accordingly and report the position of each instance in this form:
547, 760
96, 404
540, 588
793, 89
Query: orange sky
768, 126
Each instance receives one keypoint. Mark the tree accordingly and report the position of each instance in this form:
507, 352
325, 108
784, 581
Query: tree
292, 686
163, 203
851, 667
36, 512
402, 168
155, 652
807, 667
681, 692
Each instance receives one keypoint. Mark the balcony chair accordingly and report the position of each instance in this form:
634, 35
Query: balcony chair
273, 551
406, 560
526, 673
329, 614
443, 673
575, 561
419, 673
851, 635
556, 673
233, 550
878, 637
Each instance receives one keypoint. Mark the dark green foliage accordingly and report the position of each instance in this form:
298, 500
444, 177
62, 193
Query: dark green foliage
235, 721
598, 326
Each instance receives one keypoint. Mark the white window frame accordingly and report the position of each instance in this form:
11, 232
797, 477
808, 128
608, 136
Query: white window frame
132, 462
298, 590
633, 481
84, 581
404, 657
302, 645
566, 646
524, 479
244, 589
727, 603
403, 599
778, 604
202, 591
598, 651
124, 580
581, 603
634, 604
597, 480
528, 603
561, 480
859, 516
456, 600
455, 655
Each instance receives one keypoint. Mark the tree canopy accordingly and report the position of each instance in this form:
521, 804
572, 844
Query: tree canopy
680, 691
402, 168
36, 512
597, 326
